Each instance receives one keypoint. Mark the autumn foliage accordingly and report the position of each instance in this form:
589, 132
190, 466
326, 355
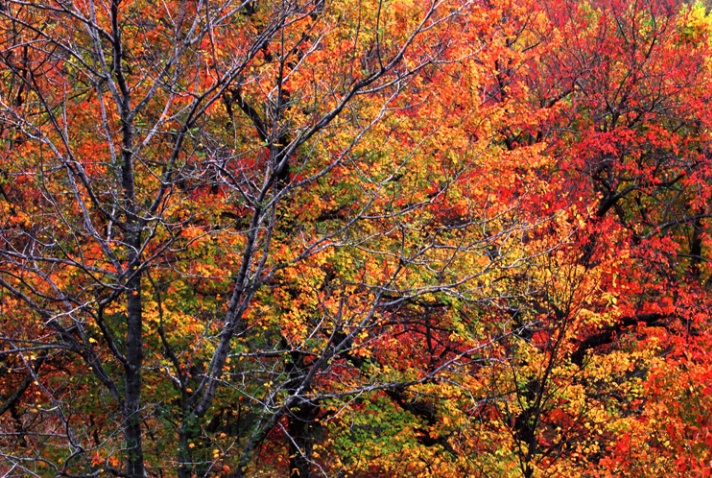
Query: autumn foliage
336, 238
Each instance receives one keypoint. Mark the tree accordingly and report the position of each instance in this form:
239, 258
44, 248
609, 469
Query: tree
618, 89
383, 238
208, 232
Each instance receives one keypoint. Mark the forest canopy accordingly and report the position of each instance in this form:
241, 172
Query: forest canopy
374, 238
